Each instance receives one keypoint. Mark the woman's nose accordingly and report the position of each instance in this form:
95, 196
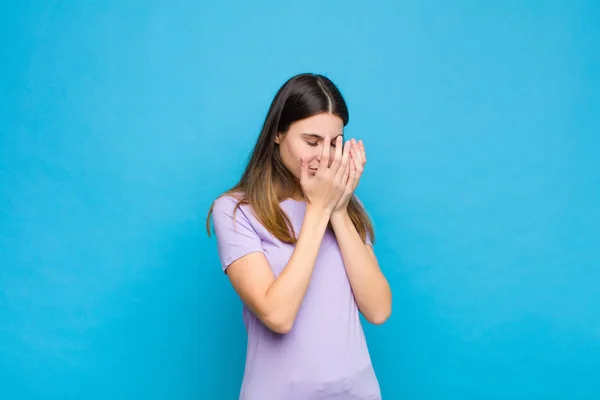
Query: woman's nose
331, 154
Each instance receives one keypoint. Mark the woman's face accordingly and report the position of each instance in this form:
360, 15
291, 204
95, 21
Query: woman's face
305, 139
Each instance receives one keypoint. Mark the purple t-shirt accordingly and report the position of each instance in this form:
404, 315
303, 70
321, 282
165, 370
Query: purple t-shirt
325, 355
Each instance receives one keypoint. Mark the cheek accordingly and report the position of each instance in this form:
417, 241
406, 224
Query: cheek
291, 156
306, 152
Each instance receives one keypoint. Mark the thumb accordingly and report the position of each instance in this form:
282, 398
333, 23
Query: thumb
303, 170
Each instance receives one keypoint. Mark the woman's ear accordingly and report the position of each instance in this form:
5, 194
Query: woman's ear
277, 137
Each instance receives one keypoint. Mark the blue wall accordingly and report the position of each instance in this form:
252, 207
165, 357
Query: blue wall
120, 121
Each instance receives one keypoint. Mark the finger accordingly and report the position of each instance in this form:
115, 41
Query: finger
344, 172
360, 165
346, 175
357, 151
325, 157
337, 158
345, 158
363, 153
359, 170
357, 164
352, 175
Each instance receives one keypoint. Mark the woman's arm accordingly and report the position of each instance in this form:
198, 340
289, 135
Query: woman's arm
276, 301
371, 289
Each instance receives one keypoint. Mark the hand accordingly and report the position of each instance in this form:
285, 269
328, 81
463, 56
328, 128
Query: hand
357, 161
324, 189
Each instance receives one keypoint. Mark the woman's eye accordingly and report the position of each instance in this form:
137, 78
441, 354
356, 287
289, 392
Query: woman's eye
314, 144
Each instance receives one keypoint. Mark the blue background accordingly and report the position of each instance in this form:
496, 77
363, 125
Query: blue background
120, 121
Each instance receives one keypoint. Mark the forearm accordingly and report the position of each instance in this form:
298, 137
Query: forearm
286, 293
370, 287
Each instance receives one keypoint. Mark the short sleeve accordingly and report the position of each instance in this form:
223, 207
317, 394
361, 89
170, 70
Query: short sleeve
368, 240
235, 236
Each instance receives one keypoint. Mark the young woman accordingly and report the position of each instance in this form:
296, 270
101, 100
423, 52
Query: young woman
296, 245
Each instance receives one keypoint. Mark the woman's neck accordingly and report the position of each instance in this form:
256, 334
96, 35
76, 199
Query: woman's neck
297, 197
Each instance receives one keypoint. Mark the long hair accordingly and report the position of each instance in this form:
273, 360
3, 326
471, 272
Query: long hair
266, 181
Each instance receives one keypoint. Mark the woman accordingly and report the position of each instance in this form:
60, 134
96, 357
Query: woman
295, 243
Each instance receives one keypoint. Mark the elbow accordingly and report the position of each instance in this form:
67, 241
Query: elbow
278, 324
378, 318
275, 317
282, 328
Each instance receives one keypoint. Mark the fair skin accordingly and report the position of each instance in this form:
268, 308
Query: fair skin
329, 172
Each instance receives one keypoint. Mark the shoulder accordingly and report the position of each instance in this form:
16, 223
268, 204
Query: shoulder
235, 230
226, 203
228, 207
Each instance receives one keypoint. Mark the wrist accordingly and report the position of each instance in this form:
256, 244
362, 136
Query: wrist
339, 216
317, 213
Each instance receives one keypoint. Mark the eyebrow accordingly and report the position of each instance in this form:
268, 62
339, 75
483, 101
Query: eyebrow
317, 136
